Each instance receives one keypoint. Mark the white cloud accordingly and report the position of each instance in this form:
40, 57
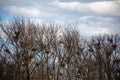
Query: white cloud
34, 9
110, 8
22, 1
25, 11
93, 17
88, 30
104, 8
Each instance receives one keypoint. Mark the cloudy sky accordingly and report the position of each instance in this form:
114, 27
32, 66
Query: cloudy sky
91, 16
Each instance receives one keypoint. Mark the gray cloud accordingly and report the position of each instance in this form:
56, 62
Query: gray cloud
83, 0
108, 8
92, 16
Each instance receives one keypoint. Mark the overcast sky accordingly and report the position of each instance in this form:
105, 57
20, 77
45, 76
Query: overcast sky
91, 16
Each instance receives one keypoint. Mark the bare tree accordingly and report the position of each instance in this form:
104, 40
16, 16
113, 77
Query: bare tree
30, 51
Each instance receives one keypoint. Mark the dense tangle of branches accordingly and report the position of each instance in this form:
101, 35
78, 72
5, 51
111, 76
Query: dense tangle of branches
30, 51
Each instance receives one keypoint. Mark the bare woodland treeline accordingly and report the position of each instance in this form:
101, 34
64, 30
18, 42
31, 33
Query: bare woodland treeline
30, 51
